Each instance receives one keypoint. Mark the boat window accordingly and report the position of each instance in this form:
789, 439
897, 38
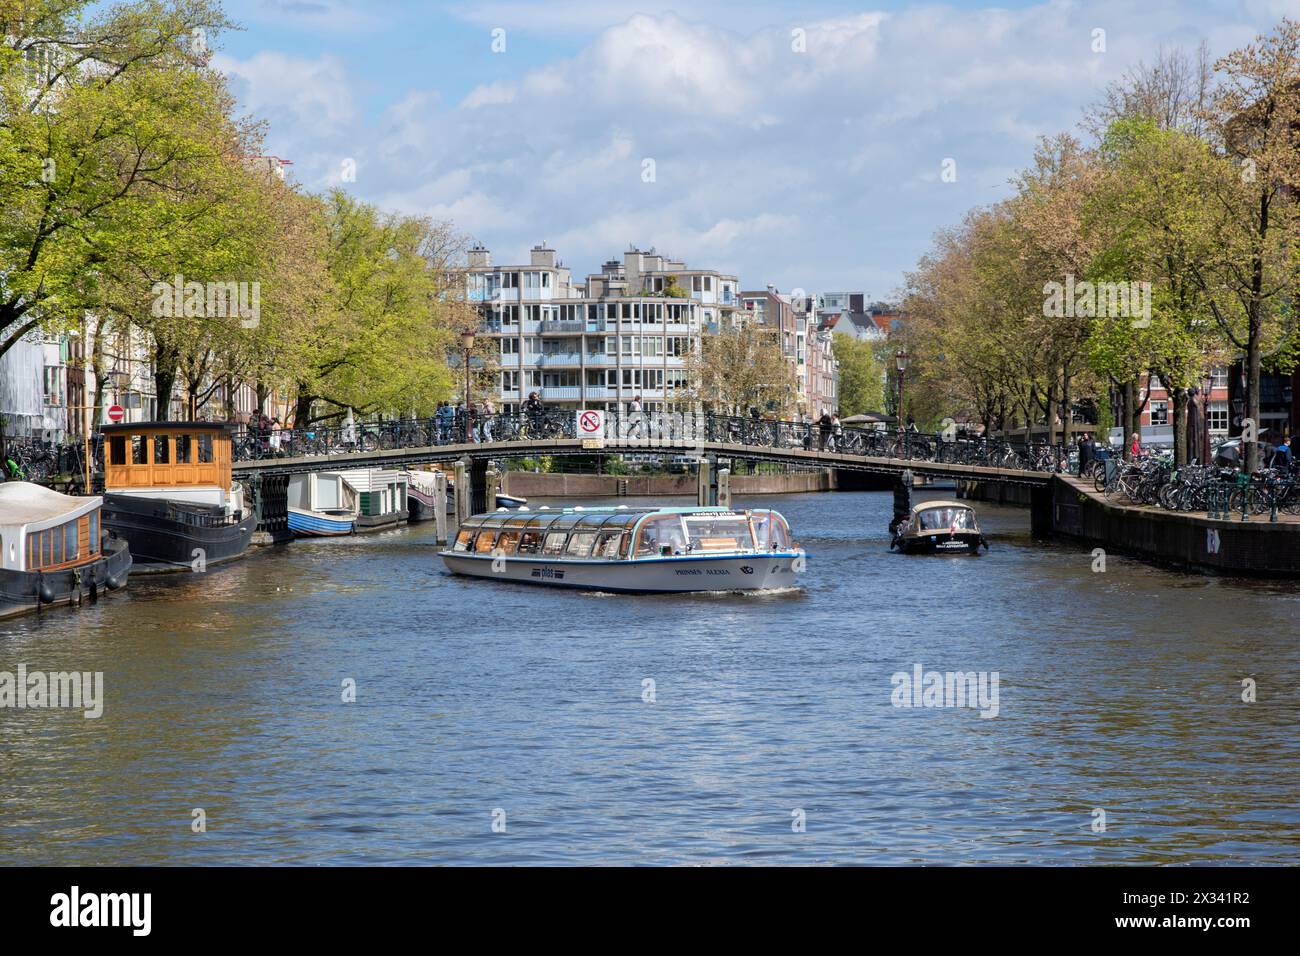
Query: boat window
462, 539
580, 543
508, 541
94, 531
160, 451
780, 534
661, 535
762, 522
721, 533
555, 542
530, 543
607, 544
138, 450
183, 451
934, 519
71, 541
117, 450
205, 449
485, 541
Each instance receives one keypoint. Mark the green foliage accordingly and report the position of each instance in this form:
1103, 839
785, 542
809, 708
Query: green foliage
862, 376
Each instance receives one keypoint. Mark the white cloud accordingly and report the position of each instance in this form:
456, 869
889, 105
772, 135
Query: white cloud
817, 169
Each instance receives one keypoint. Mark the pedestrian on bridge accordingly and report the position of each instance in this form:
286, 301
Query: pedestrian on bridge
824, 426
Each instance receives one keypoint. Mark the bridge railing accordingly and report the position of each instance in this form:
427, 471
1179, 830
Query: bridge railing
648, 430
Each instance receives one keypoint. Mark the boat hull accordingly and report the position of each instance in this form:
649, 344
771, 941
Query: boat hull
160, 541
941, 542
421, 506
316, 524
756, 572
25, 591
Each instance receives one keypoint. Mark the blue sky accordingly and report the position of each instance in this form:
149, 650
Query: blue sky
799, 144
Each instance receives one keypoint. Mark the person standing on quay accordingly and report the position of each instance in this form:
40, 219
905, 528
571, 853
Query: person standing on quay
1085, 453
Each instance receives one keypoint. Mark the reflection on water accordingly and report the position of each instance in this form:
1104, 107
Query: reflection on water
1119, 690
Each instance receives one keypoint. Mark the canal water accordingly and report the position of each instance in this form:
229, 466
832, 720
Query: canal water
508, 724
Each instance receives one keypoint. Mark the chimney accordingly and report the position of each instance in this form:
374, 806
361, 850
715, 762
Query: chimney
542, 256
479, 257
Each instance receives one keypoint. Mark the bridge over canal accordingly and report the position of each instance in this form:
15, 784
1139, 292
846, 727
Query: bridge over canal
266, 464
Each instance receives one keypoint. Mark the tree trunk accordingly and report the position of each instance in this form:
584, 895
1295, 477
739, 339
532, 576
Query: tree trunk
97, 367
1051, 415
1130, 404
302, 409
1179, 403
1252, 397
1066, 411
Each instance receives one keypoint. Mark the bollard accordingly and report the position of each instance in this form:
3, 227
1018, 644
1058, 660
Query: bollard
440, 507
723, 494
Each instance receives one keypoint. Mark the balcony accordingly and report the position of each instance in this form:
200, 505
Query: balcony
559, 358
560, 393
563, 325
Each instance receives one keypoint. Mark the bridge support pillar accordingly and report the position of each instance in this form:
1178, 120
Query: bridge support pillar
270, 502
1041, 521
492, 487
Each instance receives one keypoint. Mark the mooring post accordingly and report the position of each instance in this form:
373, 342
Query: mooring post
464, 494
722, 494
703, 484
440, 506
492, 486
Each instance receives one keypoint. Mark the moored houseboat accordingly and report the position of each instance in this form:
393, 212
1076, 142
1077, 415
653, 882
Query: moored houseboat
321, 504
423, 497
168, 491
52, 549
354, 500
939, 527
630, 549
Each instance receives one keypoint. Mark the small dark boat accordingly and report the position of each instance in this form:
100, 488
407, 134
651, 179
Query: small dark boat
939, 527
52, 550
168, 492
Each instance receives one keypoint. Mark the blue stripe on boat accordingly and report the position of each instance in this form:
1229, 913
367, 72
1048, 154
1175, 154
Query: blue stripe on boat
305, 523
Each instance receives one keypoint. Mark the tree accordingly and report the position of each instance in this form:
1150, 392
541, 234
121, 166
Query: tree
862, 375
740, 368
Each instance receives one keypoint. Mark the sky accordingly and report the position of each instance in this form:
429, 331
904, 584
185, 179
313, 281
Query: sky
799, 144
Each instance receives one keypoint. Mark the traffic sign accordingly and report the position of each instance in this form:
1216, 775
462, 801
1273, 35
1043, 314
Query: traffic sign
591, 423
116, 413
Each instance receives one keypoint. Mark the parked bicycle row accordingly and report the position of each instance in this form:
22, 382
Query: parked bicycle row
1216, 490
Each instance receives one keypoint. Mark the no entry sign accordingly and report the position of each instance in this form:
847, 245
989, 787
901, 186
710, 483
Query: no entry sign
591, 424
116, 413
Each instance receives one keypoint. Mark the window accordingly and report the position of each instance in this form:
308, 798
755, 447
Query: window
580, 543
708, 533
139, 450
184, 449
117, 450
1219, 378
530, 542
663, 536
509, 346
462, 539
485, 541
1159, 413
205, 449
555, 542
508, 541
607, 544
1218, 416
161, 450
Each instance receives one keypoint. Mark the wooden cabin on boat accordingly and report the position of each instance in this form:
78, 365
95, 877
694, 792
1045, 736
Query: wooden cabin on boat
168, 490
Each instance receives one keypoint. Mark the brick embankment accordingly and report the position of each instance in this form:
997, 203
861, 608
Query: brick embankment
1257, 547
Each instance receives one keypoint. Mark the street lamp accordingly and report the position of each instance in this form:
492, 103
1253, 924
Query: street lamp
467, 343
1207, 384
900, 363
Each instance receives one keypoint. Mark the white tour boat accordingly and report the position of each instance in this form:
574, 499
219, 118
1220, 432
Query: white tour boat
630, 549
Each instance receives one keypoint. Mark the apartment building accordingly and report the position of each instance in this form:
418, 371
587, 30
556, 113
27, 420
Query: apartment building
628, 330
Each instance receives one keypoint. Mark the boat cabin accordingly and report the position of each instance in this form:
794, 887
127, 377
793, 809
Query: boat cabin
183, 461
42, 530
611, 534
943, 516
